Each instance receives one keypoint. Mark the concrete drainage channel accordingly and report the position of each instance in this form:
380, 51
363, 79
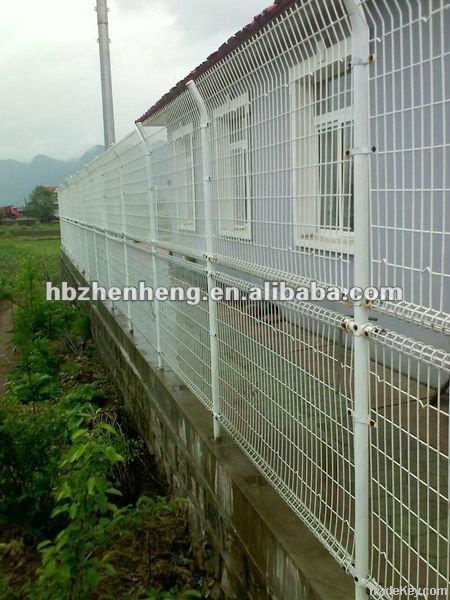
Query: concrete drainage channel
242, 531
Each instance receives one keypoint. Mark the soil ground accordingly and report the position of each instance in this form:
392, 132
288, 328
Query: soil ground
8, 358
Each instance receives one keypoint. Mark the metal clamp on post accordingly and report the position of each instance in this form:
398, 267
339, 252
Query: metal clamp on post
346, 324
370, 329
358, 151
351, 326
361, 420
368, 585
360, 62
357, 330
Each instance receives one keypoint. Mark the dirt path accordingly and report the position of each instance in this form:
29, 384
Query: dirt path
8, 358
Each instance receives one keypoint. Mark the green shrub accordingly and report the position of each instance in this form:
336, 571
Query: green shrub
5, 288
30, 447
73, 564
36, 317
60, 456
7, 592
34, 380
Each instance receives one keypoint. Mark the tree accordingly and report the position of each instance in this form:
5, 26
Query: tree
42, 203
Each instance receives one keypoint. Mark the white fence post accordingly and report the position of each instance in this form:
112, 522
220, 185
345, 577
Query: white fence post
361, 402
109, 303
212, 306
94, 231
124, 243
87, 266
152, 220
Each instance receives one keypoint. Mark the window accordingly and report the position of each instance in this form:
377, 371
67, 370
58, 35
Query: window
231, 124
322, 130
184, 188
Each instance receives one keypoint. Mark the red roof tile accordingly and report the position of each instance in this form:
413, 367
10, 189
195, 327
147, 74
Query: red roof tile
260, 21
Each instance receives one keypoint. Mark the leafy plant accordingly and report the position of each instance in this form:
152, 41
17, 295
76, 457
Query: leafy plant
7, 592
61, 456
146, 509
30, 387
34, 381
30, 448
72, 565
36, 317
5, 288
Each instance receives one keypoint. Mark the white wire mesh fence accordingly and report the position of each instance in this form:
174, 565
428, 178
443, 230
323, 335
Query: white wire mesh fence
276, 165
409, 463
285, 388
409, 83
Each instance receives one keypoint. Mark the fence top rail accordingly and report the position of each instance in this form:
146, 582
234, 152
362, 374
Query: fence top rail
108, 158
426, 353
309, 309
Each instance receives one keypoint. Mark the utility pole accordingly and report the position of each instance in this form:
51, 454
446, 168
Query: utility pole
105, 72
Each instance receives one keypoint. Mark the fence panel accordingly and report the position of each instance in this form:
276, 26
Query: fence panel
286, 390
256, 171
409, 114
409, 463
143, 313
185, 328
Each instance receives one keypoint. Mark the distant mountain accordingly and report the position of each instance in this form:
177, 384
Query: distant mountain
18, 179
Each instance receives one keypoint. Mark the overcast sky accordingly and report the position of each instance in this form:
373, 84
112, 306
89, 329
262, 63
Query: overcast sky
50, 100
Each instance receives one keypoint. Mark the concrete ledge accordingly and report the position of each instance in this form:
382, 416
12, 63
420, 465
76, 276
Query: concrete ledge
242, 529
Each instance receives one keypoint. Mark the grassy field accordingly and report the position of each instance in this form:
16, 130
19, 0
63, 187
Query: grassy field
40, 247
14, 249
52, 228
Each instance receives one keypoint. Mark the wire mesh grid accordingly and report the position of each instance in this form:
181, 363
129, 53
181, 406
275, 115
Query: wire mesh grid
113, 197
73, 237
135, 192
409, 464
281, 120
143, 313
409, 112
285, 396
93, 199
91, 266
102, 260
185, 341
176, 176
117, 269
